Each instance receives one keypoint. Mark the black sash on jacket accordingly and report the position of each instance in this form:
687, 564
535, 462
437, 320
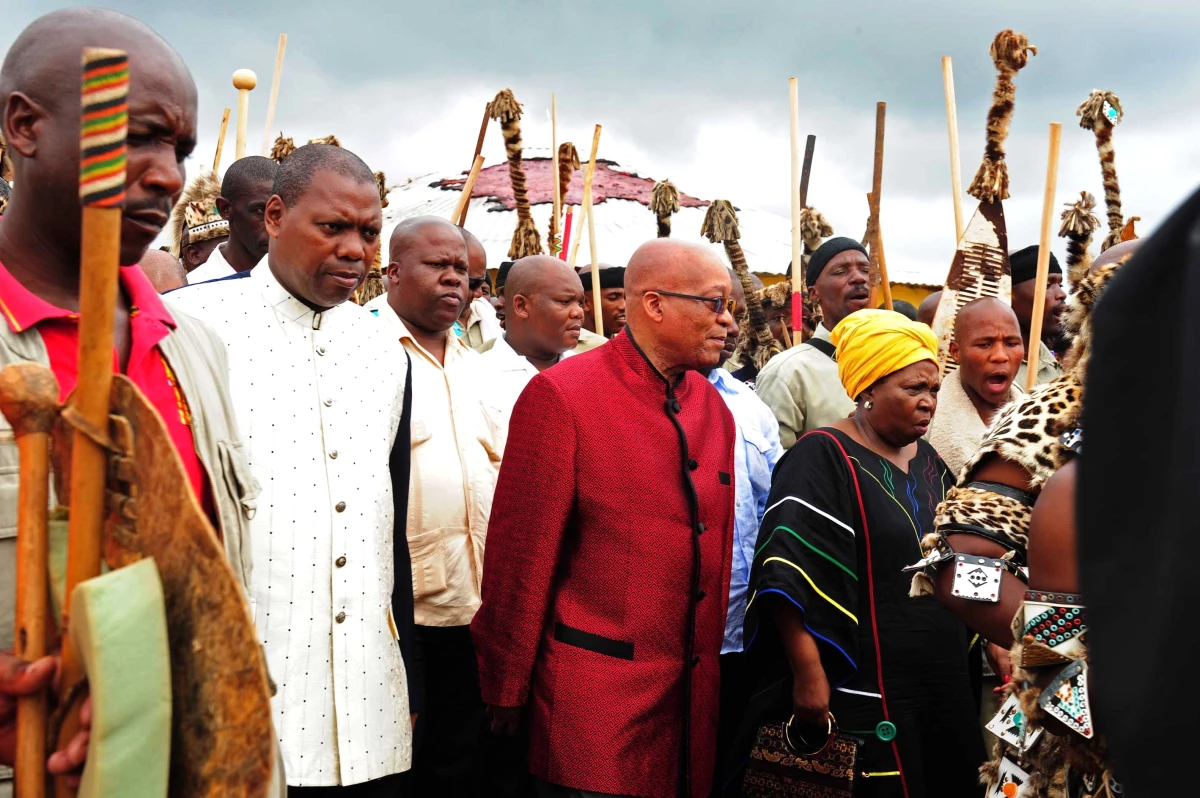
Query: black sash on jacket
821, 345
399, 465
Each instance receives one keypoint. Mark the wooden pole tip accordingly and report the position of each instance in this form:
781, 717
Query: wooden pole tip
244, 79
29, 397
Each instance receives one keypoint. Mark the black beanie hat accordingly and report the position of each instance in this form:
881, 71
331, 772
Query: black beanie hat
827, 252
1023, 263
610, 277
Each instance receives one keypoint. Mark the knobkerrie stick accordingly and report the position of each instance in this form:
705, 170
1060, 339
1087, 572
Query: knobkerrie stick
460, 210
274, 95
104, 125
29, 400
554, 233
955, 163
1043, 262
809, 147
797, 240
244, 80
876, 184
220, 144
478, 149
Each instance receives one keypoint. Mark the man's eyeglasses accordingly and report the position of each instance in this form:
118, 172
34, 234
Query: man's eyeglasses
474, 283
718, 304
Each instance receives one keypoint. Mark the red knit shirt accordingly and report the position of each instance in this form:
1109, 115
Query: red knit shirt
149, 323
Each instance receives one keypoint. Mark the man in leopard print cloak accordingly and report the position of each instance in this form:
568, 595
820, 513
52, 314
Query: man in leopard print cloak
980, 564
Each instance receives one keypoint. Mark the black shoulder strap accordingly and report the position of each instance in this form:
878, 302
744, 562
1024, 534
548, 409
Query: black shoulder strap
823, 346
399, 464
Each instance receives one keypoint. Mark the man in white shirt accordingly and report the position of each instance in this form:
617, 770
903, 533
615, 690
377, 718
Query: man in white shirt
544, 317
454, 463
245, 190
320, 410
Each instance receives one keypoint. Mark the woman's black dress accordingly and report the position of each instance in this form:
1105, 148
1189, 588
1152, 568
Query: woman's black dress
840, 525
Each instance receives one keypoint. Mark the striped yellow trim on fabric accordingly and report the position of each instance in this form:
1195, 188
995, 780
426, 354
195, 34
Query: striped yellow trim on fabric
872, 774
813, 584
815, 550
12, 320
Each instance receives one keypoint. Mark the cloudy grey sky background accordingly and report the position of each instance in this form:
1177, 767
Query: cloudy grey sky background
697, 91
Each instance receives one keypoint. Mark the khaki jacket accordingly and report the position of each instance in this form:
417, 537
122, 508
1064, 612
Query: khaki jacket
197, 357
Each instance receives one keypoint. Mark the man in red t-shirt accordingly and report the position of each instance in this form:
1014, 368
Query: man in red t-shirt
176, 362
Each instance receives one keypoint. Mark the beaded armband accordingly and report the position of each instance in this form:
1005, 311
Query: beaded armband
1054, 629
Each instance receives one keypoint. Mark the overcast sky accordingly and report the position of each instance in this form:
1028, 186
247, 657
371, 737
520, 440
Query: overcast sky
696, 91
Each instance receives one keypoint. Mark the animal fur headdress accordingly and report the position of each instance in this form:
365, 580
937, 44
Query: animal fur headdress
526, 239
283, 148
1100, 113
1010, 52
195, 217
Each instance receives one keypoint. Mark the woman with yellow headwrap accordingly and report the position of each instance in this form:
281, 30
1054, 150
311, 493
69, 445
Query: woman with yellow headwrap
835, 636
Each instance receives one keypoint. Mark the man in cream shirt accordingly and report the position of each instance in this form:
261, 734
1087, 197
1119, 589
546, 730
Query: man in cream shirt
544, 315
454, 463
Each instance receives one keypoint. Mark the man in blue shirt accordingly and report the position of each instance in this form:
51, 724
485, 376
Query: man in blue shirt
758, 449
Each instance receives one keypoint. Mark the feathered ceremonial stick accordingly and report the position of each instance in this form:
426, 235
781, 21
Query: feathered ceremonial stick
1010, 52
879, 264
955, 161
460, 209
244, 80
565, 164
220, 145
526, 240
29, 400
274, 98
721, 224
664, 201
1100, 113
980, 266
487, 110
1043, 264
104, 124
798, 287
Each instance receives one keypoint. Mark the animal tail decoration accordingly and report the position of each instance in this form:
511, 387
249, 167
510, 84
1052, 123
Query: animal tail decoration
282, 148
568, 163
373, 285
1078, 226
507, 111
1100, 113
1010, 52
813, 228
721, 224
664, 201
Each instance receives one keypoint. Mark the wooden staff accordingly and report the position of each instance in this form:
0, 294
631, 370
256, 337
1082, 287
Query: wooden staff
955, 162
102, 194
29, 400
553, 236
797, 239
460, 210
876, 185
244, 80
585, 209
478, 149
1043, 264
805, 171
274, 95
220, 144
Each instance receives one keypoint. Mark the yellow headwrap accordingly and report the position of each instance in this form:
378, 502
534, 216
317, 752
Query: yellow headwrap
872, 344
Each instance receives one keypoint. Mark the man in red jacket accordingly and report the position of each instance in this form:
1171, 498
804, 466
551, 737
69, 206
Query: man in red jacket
609, 545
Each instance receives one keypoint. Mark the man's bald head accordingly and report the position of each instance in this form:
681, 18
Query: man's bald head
543, 307
987, 307
928, 308
39, 95
164, 270
415, 228
678, 333
1117, 252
